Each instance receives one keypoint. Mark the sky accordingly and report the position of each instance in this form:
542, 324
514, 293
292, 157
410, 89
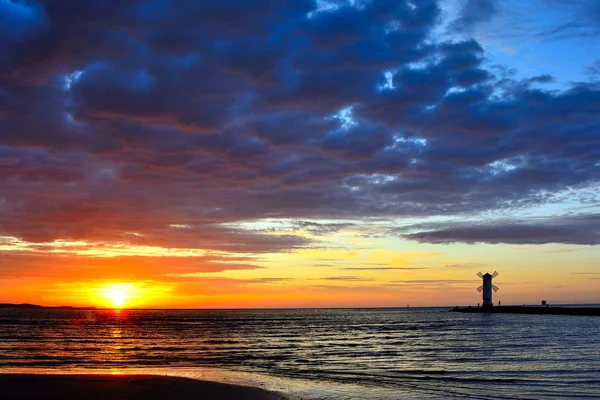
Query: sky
271, 153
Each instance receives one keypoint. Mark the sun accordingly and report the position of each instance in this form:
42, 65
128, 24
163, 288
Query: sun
116, 295
120, 295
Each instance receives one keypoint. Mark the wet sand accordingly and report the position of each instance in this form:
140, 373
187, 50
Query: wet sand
123, 387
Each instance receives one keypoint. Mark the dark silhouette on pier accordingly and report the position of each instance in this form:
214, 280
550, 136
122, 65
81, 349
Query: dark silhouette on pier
487, 288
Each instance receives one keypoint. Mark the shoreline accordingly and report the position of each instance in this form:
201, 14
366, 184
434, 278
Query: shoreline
124, 387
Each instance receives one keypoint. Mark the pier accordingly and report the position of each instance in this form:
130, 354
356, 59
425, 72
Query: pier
589, 311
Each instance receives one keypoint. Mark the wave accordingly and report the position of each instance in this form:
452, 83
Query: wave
428, 351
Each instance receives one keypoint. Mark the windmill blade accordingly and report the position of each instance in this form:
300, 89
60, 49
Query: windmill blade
480, 288
496, 288
495, 274
479, 274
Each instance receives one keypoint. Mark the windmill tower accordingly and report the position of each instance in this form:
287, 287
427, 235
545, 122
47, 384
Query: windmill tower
487, 287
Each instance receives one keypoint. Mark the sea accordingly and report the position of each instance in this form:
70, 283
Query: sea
403, 353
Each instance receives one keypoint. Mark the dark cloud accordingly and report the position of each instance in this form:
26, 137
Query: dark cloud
465, 266
434, 283
449, 281
579, 229
582, 20
315, 228
564, 19
156, 123
594, 69
348, 278
380, 268
474, 12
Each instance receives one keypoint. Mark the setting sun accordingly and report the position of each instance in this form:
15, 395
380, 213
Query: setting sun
117, 295
126, 294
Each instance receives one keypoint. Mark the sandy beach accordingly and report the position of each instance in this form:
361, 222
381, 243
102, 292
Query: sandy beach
123, 387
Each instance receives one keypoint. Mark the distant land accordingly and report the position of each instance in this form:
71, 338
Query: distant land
35, 306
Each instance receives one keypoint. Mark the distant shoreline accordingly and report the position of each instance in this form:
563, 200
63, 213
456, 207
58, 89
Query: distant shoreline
36, 307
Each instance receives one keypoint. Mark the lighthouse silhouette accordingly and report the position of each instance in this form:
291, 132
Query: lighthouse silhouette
487, 288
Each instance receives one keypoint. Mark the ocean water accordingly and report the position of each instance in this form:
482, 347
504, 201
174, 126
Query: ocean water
416, 353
